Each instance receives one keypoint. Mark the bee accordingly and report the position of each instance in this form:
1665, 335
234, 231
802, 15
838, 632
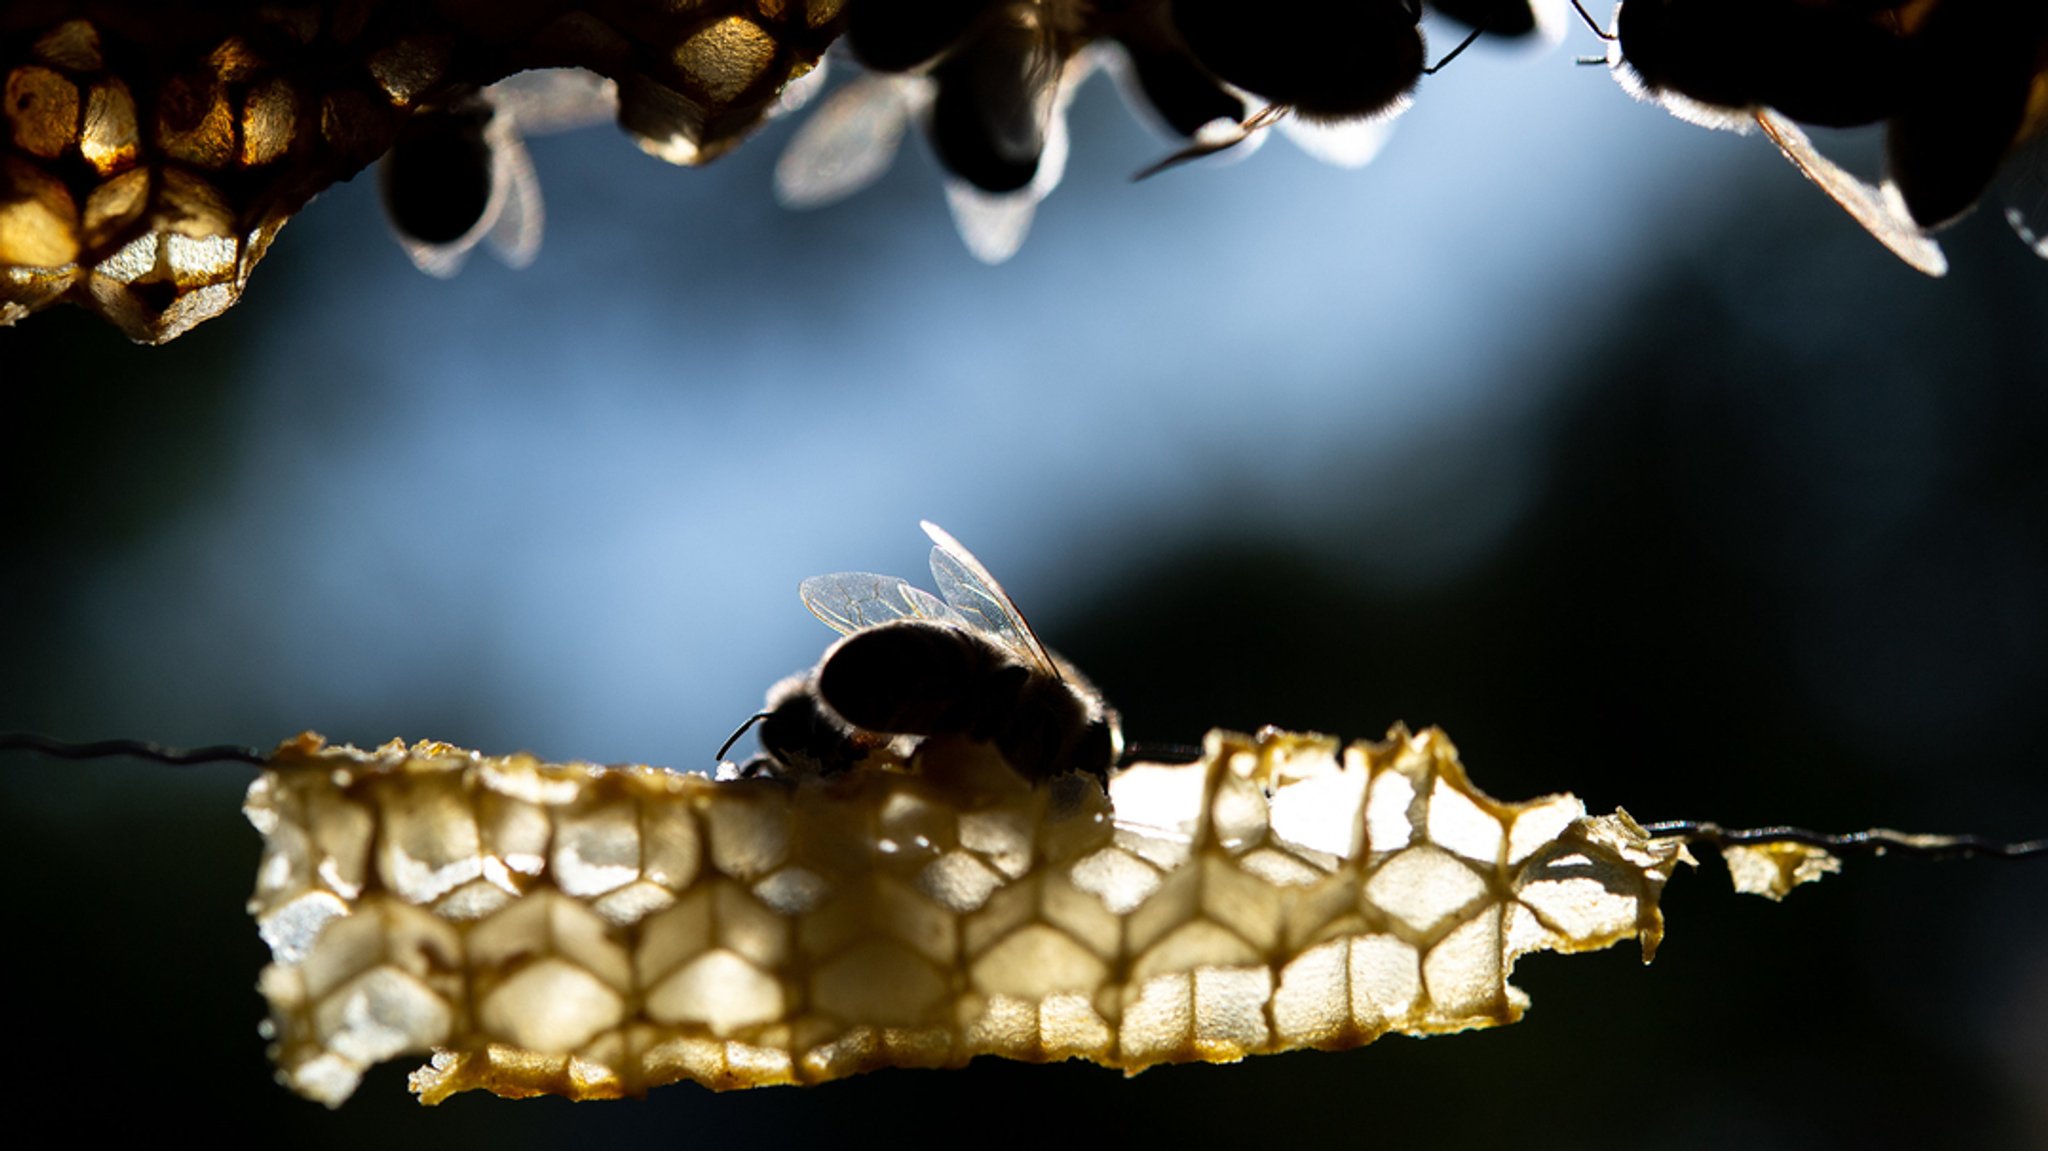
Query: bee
459, 174
1331, 74
1326, 59
993, 70
1961, 88
1981, 106
991, 98
911, 665
1839, 64
1769, 64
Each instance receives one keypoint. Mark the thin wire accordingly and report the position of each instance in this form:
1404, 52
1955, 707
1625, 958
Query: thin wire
1875, 841
131, 749
1169, 753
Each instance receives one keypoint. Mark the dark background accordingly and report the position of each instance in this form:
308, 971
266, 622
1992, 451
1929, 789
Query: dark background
1601, 441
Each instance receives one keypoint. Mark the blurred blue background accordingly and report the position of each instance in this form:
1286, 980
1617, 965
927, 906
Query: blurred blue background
1603, 441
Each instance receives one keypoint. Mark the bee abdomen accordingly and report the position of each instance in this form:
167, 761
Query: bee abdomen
437, 177
1833, 65
1328, 58
993, 107
904, 678
1984, 63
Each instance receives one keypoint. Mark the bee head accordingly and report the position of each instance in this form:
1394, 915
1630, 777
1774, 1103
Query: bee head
797, 734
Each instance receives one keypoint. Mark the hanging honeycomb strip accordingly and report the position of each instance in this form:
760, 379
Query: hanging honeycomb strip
149, 153
595, 931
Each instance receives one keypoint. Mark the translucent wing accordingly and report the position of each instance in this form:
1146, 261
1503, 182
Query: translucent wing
533, 103
798, 93
975, 595
992, 224
518, 216
1344, 143
1879, 214
851, 601
847, 143
2025, 181
1348, 143
549, 100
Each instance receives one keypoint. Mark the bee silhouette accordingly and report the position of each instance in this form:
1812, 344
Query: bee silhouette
912, 665
1771, 64
459, 175
1978, 116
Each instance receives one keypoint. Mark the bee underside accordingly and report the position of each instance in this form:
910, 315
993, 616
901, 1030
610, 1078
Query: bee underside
910, 666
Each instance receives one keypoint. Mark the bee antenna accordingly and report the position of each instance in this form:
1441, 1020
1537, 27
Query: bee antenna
1159, 753
1874, 841
131, 749
1474, 34
737, 733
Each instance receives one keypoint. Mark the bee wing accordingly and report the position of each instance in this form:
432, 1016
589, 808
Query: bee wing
517, 216
847, 143
1552, 20
1345, 143
2025, 181
441, 261
992, 224
1876, 209
549, 100
849, 601
798, 93
975, 595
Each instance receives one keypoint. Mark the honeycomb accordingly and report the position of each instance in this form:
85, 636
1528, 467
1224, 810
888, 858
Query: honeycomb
593, 932
150, 153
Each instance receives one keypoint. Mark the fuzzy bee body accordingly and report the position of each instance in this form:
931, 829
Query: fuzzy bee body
911, 666
1961, 87
1331, 59
1749, 64
1837, 65
1982, 99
